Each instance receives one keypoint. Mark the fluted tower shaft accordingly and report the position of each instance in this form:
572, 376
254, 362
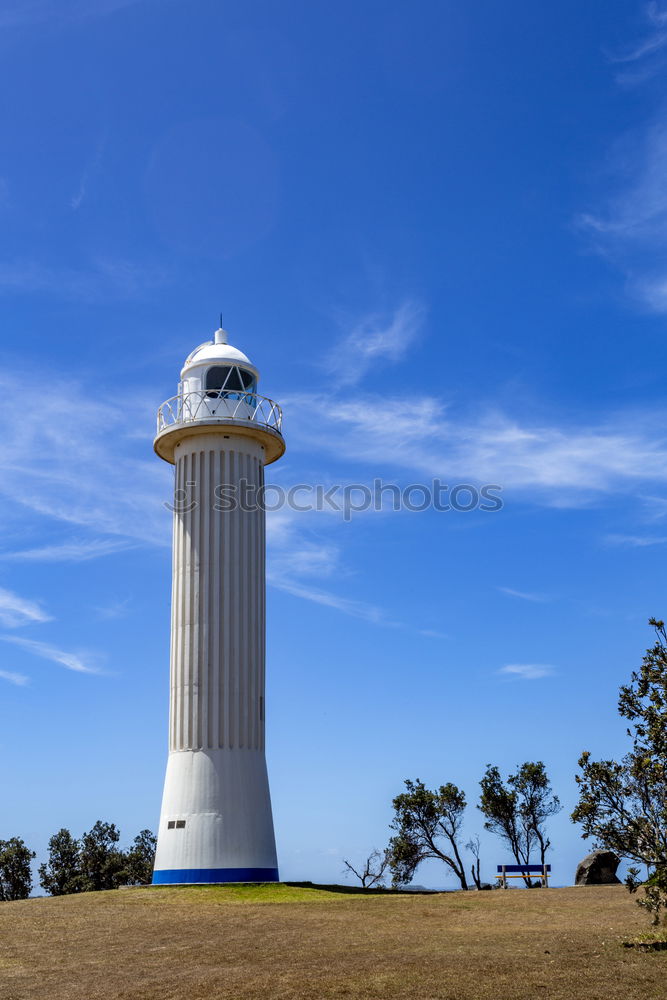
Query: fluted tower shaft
218, 597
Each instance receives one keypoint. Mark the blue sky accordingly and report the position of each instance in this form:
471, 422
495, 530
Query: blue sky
440, 232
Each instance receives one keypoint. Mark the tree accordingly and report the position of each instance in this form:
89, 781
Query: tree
537, 803
517, 812
474, 847
96, 862
102, 863
15, 872
623, 805
427, 825
62, 874
372, 872
139, 860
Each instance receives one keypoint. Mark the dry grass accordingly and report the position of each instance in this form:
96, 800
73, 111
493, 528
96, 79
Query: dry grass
274, 942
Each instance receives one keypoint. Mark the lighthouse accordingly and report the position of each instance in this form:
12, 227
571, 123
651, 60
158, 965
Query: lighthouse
218, 433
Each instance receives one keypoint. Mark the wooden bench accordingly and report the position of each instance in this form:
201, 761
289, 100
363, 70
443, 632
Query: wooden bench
518, 871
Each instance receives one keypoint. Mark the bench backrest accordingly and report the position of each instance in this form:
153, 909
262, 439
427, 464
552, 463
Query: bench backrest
528, 869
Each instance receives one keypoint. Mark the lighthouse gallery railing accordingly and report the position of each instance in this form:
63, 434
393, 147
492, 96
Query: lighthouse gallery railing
225, 405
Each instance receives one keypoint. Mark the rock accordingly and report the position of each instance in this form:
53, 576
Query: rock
598, 868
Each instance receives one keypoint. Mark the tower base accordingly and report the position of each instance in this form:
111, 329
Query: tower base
216, 824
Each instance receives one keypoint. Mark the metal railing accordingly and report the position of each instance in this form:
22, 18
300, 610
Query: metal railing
224, 405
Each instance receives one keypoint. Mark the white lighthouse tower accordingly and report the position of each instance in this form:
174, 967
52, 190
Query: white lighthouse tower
216, 823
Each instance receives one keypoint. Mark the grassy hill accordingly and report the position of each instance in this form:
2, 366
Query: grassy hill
278, 941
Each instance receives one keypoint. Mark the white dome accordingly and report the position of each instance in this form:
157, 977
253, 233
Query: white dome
216, 351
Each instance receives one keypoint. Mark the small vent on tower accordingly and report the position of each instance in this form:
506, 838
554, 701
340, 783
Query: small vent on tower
176, 824
180, 824
171, 824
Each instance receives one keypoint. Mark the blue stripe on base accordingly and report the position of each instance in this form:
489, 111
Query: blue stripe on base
182, 876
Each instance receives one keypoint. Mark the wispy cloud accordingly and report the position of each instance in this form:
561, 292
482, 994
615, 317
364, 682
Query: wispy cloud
20, 680
71, 661
652, 42
654, 507
305, 558
16, 611
357, 609
647, 47
16, 14
116, 609
74, 551
657, 13
90, 169
375, 337
297, 565
113, 491
641, 60
629, 225
556, 465
636, 541
22, 13
636, 214
553, 464
523, 595
106, 279
77, 199
526, 671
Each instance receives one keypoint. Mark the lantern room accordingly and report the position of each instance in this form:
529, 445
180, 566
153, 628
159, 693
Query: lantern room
219, 370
